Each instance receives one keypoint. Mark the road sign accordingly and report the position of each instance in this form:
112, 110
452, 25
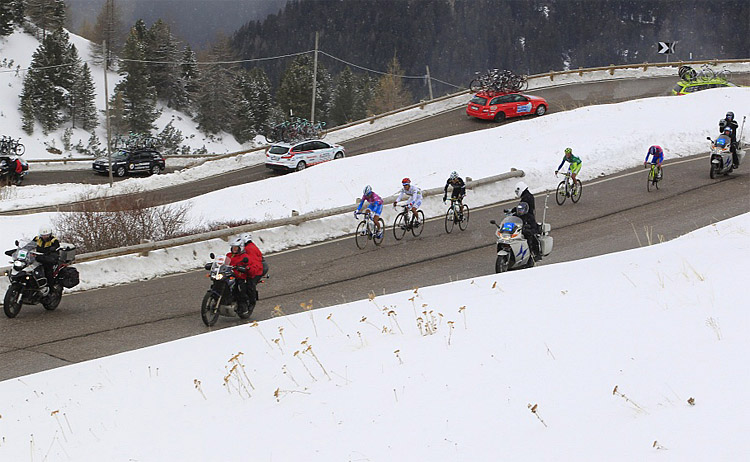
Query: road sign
666, 47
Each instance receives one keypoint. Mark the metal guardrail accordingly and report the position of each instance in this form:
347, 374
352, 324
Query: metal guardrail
224, 234
91, 159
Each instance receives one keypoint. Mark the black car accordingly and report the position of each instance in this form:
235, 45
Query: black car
135, 161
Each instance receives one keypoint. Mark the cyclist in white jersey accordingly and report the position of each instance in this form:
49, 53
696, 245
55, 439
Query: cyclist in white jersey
414, 194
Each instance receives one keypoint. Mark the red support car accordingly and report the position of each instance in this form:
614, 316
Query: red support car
500, 106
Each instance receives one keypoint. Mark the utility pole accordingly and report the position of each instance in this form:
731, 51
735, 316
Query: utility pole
106, 110
429, 81
315, 80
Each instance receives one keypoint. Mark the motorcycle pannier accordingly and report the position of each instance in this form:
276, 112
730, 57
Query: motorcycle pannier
67, 252
545, 242
69, 277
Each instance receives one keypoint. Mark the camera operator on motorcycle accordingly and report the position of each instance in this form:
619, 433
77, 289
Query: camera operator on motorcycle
728, 123
530, 228
256, 267
523, 193
239, 260
47, 246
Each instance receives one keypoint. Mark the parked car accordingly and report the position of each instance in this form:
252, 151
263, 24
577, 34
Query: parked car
499, 106
683, 87
131, 161
298, 156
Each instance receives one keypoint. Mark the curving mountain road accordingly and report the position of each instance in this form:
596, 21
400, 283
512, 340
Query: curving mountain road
615, 213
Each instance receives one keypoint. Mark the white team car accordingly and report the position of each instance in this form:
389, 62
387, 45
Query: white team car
300, 155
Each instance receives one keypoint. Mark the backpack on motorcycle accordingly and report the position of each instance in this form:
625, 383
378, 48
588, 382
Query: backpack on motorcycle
69, 277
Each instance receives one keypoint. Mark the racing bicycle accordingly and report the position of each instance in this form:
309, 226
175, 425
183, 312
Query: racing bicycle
405, 221
567, 188
654, 177
456, 214
366, 231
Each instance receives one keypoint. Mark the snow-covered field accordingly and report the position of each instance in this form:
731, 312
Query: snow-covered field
542, 364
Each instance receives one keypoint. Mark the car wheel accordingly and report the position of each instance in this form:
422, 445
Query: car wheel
338, 155
541, 110
301, 166
120, 171
500, 116
155, 170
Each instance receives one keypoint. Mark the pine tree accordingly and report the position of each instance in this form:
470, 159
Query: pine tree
363, 96
48, 15
295, 92
217, 97
83, 107
189, 73
108, 28
48, 81
390, 93
117, 123
6, 18
165, 72
18, 9
344, 97
138, 95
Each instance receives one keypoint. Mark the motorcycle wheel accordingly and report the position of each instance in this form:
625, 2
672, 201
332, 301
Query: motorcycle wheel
11, 302
501, 264
714, 171
53, 298
209, 310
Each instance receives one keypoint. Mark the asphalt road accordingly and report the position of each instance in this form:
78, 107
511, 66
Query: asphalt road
615, 213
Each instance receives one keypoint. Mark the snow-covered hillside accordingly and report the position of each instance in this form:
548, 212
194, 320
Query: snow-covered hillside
542, 364
17, 49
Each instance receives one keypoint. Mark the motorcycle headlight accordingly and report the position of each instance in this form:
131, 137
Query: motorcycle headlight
219, 277
18, 264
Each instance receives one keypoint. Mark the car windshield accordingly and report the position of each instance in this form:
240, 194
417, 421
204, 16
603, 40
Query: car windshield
120, 155
480, 100
278, 150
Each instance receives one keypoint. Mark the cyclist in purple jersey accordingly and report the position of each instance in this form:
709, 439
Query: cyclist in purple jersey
375, 206
657, 158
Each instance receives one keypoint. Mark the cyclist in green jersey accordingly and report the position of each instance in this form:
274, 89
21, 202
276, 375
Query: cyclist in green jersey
575, 164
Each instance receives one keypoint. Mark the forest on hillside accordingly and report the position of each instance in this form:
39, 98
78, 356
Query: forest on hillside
456, 38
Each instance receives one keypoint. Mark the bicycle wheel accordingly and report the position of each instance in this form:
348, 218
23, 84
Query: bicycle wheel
20, 149
379, 240
449, 222
399, 226
475, 85
561, 193
575, 194
360, 236
650, 182
658, 178
416, 227
464, 221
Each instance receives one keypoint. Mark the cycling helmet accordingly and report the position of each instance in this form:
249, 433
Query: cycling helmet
568, 151
367, 190
237, 243
654, 150
454, 175
730, 115
520, 187
406, 181
246, 237
522, 208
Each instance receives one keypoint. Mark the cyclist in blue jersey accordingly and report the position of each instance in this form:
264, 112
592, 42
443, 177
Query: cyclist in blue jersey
657, 157
375, 206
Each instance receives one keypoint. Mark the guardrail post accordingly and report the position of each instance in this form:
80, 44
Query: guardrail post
552, 75
611, 69
580, 72
645, 67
